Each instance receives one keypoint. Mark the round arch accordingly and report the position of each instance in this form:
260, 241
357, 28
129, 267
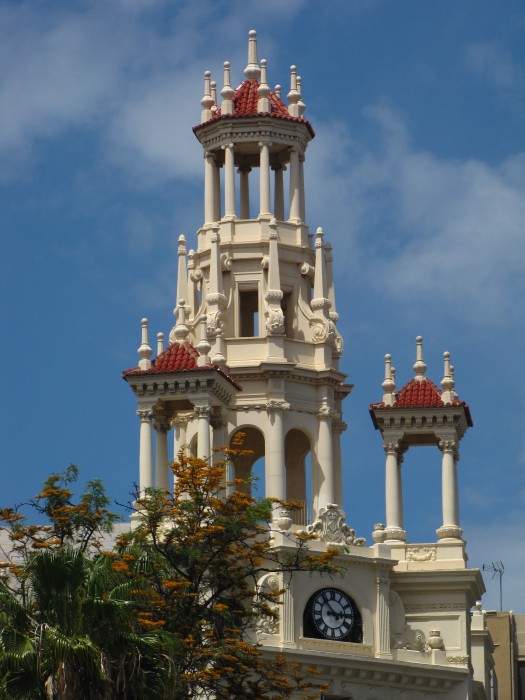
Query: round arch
250, 439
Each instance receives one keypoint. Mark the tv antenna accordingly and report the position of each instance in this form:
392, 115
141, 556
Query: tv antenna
497, 569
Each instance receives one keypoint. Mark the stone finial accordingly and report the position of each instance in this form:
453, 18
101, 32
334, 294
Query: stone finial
207, 100
252, 70
181, 330
182, 276
389, 384
227, 91
447, 383
419, 365
452, 375
145, 350
213, 93
203, 347
263, 91
294, 95
301, 105
277, 90
160, 342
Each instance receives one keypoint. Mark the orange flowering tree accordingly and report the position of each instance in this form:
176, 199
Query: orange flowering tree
202, 550
68, 620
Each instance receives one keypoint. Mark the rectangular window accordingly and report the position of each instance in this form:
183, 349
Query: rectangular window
249, 313
288, 311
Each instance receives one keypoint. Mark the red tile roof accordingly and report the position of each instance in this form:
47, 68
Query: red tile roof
418, 393
245, 101
178, 357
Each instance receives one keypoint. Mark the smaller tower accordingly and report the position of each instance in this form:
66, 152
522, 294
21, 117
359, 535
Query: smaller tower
420, 414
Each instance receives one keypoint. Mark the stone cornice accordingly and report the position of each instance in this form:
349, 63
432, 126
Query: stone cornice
182, 385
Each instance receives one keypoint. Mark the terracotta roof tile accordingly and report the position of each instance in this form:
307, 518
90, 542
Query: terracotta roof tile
418, 394
245, 101
178, 357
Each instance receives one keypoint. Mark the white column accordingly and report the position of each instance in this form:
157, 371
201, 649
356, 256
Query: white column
264, 180
302, 199
146, 449
244, 210
203, 432
274, 451
216, 192
208, 188
161, 455
449, 486
337, 428
383, 614
278, 205
325, 457
295, 199
393, 493
229, 181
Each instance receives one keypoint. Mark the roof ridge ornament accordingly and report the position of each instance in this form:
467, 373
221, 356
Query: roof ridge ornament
447, 383
145, 350
389, 383
263, 91
207, 100
419, 365
294, 95
252, 70
227, 91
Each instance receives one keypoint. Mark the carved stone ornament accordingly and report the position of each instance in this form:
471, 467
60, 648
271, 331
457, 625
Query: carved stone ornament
268, 623
449, 531
379, 534
409, 639
457, 659
323, 330
275, 405
214, 324
330, 526
274, 321
421, 553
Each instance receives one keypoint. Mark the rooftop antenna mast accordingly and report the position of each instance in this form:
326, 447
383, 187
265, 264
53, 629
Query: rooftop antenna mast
497, 569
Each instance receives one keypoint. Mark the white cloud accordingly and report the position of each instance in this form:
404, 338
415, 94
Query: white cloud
421, 223
491, 62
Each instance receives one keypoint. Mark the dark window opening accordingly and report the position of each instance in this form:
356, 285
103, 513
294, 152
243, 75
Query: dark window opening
249, 313
288, 311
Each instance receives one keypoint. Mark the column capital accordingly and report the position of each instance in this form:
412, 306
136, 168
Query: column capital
244, 169
265, 143
145, 415
231, 146
339, 425
449, 446
279, 166
181, 421
203, 411
217, 419
393, 447
328, 413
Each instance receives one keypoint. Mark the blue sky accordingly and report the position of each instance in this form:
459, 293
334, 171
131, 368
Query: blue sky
416, 174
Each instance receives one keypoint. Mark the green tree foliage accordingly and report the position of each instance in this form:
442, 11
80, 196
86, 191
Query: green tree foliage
169, 612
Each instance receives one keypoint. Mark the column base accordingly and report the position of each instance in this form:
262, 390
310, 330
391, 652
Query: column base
395, 534
447, 532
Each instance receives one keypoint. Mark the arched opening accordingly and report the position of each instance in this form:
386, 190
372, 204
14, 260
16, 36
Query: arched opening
251, 440
296, 454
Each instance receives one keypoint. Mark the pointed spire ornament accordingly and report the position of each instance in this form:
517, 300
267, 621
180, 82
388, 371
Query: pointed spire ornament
213, 85
447, 383
277, 91
207, 99
300, 105
293, 96
182, 274
419, 365
263, 91
389, 384
252, 70
203, 347
227, 91
160, 342
181, 330
145, 350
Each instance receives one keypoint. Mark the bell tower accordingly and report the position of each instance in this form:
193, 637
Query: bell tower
263, 285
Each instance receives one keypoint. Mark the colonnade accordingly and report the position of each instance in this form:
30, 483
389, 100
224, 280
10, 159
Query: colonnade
211, 433
394, 491
222, 205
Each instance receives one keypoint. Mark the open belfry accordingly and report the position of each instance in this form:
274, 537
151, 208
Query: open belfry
253, 361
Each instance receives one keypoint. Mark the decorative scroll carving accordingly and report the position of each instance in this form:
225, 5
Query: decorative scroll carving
330, 526
268, 623
145, 415
274, 405
274, 321
421, 553
323, 330
458, 659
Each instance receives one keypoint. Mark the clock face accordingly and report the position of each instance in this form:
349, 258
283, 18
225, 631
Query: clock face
333, 614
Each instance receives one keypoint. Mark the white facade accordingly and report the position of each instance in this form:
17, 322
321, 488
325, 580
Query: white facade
256, 298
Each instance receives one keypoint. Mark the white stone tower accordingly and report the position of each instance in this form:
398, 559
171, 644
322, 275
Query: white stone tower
264, 286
